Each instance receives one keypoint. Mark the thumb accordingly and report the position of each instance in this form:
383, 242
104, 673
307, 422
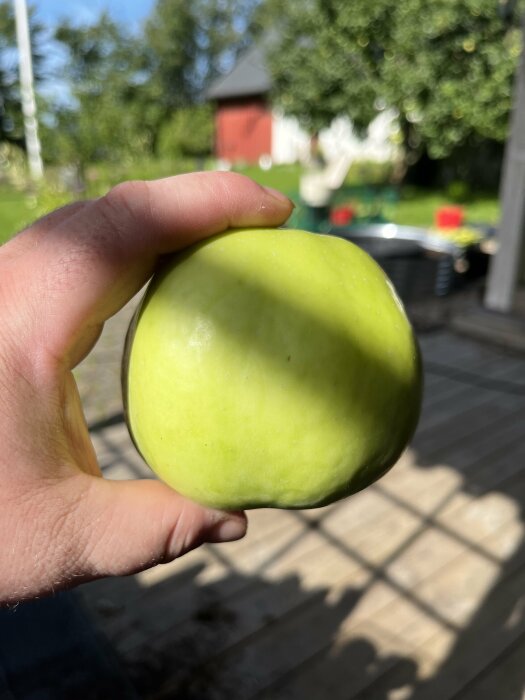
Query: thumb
143, 523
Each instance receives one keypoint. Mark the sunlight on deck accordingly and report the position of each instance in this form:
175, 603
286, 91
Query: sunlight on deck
413, 588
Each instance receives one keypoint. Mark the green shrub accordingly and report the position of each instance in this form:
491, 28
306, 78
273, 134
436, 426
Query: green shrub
370, 172
458, 192
188, 133
13, 165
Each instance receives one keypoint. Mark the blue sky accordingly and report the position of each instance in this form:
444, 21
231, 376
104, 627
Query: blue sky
129, 12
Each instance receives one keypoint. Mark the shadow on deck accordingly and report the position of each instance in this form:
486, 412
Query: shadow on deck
412, 589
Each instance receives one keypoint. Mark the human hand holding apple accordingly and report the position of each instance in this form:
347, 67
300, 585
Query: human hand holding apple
271, 368
60, 279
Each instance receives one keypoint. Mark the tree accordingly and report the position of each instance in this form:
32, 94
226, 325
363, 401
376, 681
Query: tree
144, 93
445, 66
325, 57
168, 62
188, 44
450, 71
188, 133
103, 120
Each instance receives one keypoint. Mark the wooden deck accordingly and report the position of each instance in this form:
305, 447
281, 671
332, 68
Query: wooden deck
414, 588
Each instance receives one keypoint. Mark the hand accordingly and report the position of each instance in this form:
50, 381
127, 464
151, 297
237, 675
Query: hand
61, 522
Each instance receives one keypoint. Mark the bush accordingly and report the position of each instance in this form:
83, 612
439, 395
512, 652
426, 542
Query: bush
370, 172
188, 133
458, 192
13, 165
100, 177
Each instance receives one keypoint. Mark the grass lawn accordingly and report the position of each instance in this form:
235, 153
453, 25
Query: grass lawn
415, 207
281, 177
15, 211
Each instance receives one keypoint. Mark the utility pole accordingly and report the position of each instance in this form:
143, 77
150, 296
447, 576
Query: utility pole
34, 157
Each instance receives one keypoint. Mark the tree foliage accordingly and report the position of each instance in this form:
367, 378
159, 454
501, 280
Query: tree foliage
446, 66
326, 57
103, 120
450, 71
137, 94
188, 133
189, 43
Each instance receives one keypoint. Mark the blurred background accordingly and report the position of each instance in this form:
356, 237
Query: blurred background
417, 96
399, 126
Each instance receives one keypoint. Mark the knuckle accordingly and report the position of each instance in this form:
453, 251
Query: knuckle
125, 200
231, 193
231, 182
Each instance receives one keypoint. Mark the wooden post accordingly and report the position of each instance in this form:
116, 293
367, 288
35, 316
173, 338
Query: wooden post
26, 87
505, 266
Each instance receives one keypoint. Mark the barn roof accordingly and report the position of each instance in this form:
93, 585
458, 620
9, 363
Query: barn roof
250, 76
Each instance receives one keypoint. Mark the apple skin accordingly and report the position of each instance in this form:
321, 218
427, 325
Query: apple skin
271, 368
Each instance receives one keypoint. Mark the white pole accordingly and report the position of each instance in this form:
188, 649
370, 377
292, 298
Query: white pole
36, 168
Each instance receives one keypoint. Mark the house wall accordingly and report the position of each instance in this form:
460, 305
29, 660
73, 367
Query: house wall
290, 143
247, 129
243, 130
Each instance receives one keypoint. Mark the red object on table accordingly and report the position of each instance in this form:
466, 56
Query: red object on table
342, 216
449, 217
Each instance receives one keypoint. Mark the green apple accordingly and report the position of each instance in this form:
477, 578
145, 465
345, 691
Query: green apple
271, 368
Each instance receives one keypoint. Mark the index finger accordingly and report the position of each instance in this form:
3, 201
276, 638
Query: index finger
86, 268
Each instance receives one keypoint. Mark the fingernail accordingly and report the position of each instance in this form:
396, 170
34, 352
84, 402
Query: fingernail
279, 196
228, 530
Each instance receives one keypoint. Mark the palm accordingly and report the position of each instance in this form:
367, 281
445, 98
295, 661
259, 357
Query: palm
59, 282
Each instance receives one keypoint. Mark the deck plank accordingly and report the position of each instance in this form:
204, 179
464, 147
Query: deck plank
428, 640
264, 602
502, 679
403, 590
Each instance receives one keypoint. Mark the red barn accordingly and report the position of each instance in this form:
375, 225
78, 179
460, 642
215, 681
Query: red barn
248, 127
243, 120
